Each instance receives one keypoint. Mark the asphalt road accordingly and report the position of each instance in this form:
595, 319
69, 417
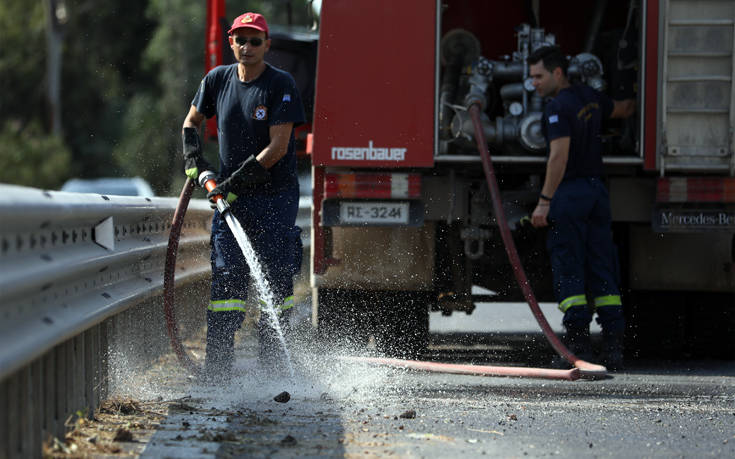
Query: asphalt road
339, 409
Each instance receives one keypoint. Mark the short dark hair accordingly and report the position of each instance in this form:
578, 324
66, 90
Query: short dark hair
552, 58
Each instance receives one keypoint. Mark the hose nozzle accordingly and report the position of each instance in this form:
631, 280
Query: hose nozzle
206, 181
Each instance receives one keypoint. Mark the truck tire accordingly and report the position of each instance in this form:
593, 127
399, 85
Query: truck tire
341, 319
402, 328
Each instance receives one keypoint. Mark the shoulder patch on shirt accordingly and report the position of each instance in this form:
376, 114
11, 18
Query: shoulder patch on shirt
287, 98
260, 113
553, 119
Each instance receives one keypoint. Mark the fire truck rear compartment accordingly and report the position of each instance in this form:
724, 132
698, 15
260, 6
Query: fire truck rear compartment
458, 245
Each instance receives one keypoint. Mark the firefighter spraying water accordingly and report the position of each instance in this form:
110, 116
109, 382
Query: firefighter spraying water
256, 106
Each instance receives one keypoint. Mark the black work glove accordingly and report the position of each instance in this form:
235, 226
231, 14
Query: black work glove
194, 161
249, 174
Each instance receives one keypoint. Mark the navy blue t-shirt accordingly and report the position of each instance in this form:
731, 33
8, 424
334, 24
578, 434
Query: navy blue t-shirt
245, 112
577, 112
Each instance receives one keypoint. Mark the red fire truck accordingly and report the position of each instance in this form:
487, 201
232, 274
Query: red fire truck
402, 222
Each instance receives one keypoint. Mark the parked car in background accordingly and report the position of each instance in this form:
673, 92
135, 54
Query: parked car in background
120, 186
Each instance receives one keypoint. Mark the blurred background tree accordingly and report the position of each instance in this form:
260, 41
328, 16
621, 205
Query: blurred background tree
128, 72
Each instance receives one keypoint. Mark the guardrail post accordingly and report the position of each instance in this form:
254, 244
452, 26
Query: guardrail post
13, 416
4, 420
47, 388
37, 402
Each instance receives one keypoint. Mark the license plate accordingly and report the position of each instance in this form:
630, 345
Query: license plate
373, 212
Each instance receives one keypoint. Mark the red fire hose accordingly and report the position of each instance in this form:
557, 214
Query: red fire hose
588, 369
572, 374
168, 279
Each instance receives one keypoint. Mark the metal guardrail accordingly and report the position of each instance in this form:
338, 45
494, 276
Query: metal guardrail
69, 261
78, 272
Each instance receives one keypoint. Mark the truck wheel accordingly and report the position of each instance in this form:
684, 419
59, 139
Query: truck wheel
341, 319
403, 324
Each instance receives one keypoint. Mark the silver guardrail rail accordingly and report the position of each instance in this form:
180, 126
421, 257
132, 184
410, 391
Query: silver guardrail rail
81, 274
70, 260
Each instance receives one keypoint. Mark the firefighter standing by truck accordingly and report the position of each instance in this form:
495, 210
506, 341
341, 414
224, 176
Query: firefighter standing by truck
257, 107
575, 199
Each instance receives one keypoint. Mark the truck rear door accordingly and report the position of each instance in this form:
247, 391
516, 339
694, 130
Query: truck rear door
697, 100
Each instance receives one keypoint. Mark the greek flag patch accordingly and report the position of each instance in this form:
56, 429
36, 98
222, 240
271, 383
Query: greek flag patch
553, 119
287, 98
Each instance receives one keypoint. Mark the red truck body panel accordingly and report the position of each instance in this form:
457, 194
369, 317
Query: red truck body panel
376, 84
216, 40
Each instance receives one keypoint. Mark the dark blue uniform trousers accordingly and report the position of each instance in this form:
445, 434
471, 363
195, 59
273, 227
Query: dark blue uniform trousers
269, 223
583, 255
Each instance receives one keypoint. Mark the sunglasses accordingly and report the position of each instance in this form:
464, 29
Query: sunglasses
254, 41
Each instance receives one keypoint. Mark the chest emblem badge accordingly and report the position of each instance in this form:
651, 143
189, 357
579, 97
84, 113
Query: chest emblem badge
260, 113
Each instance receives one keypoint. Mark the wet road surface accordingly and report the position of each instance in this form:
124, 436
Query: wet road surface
338, 409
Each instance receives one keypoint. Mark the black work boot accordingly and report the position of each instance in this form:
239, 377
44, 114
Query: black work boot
612, 351
220, 357
579, 343
612, 322
218, 362
577, 324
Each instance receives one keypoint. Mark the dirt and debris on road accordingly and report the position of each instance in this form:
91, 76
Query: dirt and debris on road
119, 427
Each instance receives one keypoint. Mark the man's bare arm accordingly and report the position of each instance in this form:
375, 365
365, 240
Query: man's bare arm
193, 119
280, 135
555, 168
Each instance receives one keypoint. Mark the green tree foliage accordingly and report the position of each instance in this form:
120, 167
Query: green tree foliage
174, 58
22, 62
28, 154
31, 157
103, 45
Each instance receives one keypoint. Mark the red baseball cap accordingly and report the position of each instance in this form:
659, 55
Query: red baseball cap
249, 20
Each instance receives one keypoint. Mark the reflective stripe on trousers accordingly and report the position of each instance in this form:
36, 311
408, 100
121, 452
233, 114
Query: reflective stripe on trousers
581, 300
608, 300
576, 300
287, 304
227, 305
